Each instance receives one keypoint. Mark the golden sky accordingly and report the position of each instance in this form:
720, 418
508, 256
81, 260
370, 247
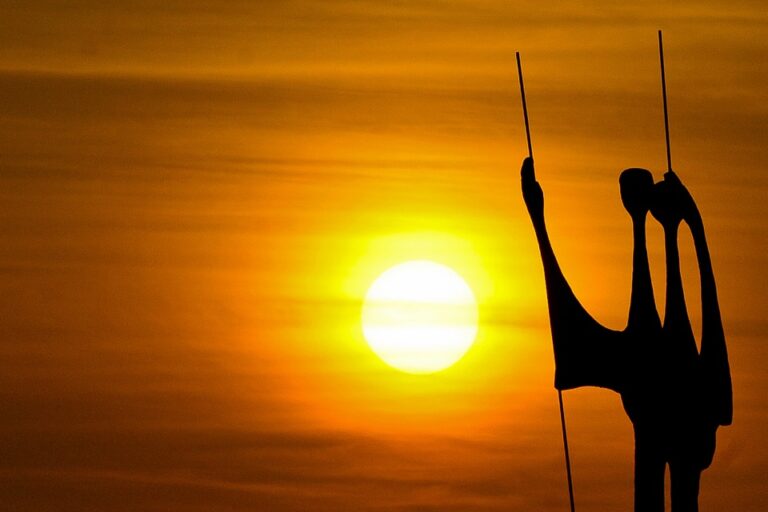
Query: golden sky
195, 198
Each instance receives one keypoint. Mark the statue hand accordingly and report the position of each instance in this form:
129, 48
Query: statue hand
532, 193
688, 209
673, 203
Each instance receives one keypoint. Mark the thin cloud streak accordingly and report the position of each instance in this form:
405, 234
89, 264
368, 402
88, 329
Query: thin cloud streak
187, 192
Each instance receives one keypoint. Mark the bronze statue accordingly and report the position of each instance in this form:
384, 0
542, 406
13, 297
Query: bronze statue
675, 395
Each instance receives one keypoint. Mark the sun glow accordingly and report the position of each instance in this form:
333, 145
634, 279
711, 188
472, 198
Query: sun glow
420, 317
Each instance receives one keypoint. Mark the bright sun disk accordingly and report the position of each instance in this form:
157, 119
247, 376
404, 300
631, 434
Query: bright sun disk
420, 317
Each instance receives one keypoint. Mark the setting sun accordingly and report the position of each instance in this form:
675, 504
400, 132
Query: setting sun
276, 256
420, 317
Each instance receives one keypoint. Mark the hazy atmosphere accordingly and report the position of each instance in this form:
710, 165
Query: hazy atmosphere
195, 197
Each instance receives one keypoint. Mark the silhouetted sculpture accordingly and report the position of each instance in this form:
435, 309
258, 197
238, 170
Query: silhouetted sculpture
675, 396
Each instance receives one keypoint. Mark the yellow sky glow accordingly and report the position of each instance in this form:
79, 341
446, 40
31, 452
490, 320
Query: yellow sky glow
195, 200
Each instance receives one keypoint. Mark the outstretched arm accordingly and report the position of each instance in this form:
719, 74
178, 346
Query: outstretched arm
586, 353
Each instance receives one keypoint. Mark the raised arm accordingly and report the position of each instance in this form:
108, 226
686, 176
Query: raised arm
716, 371
586, 353
667, 209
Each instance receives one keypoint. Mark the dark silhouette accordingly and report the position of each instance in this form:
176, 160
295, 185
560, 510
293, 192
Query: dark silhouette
675, 395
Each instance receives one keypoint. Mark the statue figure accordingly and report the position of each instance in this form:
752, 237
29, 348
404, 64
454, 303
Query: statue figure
675, 395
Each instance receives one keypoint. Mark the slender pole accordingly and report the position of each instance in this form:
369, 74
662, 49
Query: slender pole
525, 105
567, 452
559, 392
664, 96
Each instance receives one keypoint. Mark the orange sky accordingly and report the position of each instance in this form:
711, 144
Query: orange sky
195, 198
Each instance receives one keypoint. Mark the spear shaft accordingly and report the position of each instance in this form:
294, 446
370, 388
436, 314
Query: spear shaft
559, 392
525, 105
664, 96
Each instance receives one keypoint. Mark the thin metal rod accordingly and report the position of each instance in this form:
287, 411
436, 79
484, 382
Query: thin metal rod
567, 452
559, 392
525, 106
664, 95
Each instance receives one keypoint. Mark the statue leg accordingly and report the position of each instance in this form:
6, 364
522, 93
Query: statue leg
649, 471
685, 476
694, 448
